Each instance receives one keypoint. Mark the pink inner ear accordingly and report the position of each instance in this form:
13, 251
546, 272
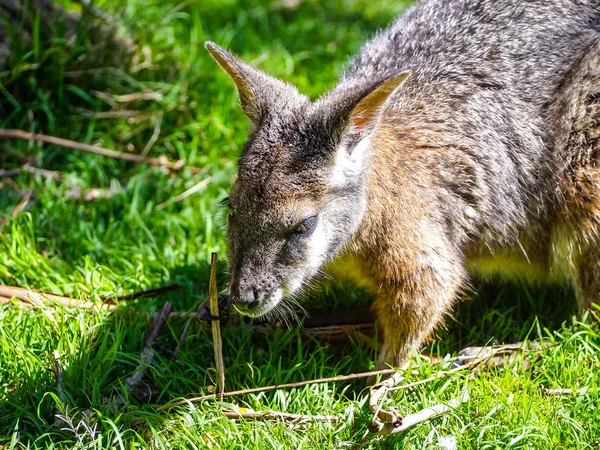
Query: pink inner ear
358, 121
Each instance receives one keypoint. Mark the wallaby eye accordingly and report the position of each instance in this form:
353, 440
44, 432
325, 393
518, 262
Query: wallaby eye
307, 226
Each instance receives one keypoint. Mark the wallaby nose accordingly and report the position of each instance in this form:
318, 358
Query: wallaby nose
245, 297
248, 296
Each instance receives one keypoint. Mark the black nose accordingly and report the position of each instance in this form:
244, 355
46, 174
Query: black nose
248, 297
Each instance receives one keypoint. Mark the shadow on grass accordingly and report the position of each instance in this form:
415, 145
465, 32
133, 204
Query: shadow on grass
93, 379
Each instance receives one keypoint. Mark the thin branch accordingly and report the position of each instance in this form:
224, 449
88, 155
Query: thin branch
59, 384
186, 329
567, 391
18, 207
53, 174
8, 300
132, 382
470, 357
36, 298
410, 420
275, 415
196, 188
353, 376
31, 298
154, 137
154, 292
158, 162
486, 354
213, 297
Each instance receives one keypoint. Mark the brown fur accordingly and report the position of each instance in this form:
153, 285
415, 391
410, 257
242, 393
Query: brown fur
416, 274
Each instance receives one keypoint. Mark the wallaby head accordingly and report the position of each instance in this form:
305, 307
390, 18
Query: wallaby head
299, 195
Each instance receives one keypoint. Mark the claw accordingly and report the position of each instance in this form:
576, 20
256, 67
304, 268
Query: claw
224, 309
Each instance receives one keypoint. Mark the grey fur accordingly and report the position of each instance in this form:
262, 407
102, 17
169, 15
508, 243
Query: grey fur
477, 134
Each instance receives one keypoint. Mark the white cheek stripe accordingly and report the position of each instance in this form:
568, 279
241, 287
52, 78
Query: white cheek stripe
349, 164
318, 243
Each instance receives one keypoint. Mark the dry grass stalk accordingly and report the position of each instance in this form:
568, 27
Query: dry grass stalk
31, 298
18, 208
568, 391
194, 189
410, 420
213, 296
353, 376
471, 357
158, 162
59, 384
243, 413
132, 383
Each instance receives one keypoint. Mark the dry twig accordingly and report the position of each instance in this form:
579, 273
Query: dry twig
133, 382
213, 296
352, 376
154, 292
31, 298
196, 188
56, 176
410, 420
471, 357
243, 413
158, 162
567, 391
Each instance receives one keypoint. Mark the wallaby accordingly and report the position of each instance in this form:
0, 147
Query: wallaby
463, 139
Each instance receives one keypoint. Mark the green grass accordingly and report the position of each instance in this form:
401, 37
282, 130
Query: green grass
65, 87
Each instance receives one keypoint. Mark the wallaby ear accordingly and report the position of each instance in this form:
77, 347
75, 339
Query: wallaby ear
242, 75
259, 92
368, 109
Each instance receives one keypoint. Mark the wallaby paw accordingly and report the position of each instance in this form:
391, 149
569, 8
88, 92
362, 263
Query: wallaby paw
224, 310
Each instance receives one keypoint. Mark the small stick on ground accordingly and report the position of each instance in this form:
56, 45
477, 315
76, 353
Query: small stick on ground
154, 292
352, 376
132, 157
410, 420
213, 296
133, 382
31, 298
567, 391
275, 415
196, 188
186, 331
59, 384
471, 357
18, 208
56, 176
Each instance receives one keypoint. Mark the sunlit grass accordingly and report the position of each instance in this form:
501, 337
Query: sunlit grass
68, 88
